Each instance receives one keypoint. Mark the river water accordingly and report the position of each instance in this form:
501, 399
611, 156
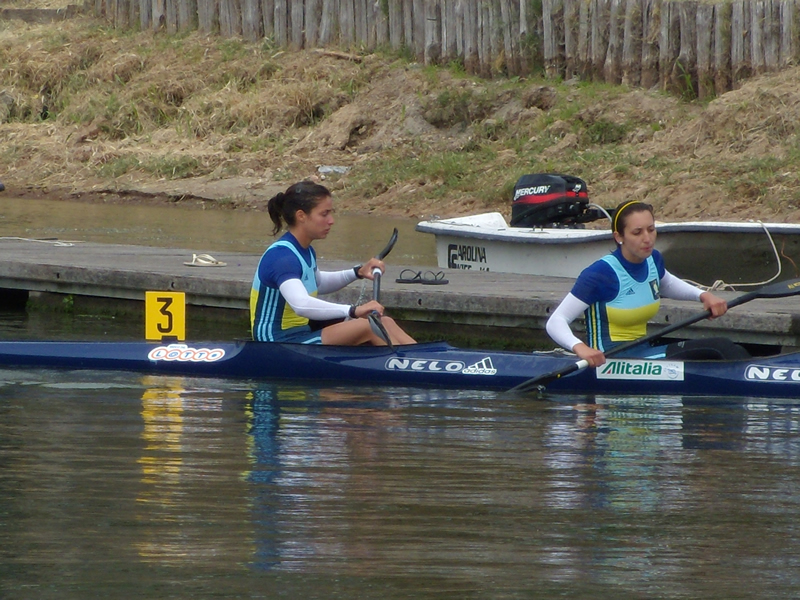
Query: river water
354, 237
117, 485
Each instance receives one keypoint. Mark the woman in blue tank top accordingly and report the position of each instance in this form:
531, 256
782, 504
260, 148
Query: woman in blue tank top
284, 306
622, 291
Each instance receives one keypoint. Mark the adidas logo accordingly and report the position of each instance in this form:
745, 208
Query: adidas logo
630, 292
483, 367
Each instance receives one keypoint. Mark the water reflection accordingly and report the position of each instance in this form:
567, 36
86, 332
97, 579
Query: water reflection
183, 428
353, 237
337, 478
266, 490
590, 494
635, 449
662, 478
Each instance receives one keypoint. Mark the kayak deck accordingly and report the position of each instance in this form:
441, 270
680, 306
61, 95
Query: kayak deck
435, 364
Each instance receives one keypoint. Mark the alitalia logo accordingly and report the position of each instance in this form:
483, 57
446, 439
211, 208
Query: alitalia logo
658, 370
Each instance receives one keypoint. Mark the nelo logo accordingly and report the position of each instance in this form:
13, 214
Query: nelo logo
763, 373
482, 367
183, 353
424, 365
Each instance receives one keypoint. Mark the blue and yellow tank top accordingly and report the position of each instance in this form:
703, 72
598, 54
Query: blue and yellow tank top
624, 317
272, 319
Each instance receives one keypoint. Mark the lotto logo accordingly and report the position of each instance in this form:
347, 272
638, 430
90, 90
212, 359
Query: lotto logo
183, 353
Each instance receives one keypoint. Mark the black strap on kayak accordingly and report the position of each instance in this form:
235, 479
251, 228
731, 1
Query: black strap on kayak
780, 289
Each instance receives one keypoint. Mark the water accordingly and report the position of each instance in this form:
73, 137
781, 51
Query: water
354, 237
117, 485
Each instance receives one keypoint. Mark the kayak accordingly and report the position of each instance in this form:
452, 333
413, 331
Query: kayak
434, 364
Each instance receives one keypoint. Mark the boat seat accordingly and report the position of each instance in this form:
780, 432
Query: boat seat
717, 348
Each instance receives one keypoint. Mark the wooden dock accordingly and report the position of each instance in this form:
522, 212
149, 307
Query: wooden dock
512, 305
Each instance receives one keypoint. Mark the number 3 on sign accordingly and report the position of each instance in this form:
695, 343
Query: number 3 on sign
165, 315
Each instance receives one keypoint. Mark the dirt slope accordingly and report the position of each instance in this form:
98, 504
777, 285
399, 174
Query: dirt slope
85, 112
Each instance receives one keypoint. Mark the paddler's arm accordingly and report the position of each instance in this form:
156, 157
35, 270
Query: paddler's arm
678, 289
558, 328
367, 269
306, 305
333, 281
715, 304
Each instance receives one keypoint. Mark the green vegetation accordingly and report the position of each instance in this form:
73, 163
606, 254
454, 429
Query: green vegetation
604, 132
418, 139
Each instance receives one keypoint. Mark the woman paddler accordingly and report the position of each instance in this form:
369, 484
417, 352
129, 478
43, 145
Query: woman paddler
283, 301
620, 292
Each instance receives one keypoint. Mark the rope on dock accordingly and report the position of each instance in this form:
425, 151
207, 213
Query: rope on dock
720, 285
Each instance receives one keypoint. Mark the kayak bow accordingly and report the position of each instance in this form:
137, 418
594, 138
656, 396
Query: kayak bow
435, 364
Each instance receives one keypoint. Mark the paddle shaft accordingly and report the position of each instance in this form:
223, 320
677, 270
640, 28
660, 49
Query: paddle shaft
775, 290
780, 289
376, 284
374, 317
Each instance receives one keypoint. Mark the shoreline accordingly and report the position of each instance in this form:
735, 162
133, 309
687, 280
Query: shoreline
233, 193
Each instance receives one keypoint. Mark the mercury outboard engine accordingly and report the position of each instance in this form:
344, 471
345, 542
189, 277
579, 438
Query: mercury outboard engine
550, 200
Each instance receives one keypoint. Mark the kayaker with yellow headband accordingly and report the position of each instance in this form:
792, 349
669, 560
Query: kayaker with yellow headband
619, 293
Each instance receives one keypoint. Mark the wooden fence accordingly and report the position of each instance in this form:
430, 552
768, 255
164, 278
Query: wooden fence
690, 47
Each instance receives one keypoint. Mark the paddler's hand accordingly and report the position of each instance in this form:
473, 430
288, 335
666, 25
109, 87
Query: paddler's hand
715, 304
364, 309
365, 271
594, 357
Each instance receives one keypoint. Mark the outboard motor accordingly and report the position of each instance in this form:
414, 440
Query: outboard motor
551, 200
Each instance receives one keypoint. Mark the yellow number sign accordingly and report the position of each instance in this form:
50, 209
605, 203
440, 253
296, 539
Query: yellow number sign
165, 315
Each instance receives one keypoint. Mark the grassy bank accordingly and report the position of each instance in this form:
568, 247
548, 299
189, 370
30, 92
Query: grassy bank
84, 107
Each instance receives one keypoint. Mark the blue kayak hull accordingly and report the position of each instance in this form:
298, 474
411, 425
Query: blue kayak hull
422, 365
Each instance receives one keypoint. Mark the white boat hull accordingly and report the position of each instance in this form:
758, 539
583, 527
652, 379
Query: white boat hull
564, 260
704, 251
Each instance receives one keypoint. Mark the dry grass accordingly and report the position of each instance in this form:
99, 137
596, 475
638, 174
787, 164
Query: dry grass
84, 106
40, 4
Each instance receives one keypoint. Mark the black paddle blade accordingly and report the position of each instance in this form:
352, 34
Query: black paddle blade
378, 329
532, 385
383, 253
780, 289
538, 384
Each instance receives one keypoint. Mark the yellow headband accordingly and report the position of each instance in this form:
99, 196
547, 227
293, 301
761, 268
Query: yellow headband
619, 212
